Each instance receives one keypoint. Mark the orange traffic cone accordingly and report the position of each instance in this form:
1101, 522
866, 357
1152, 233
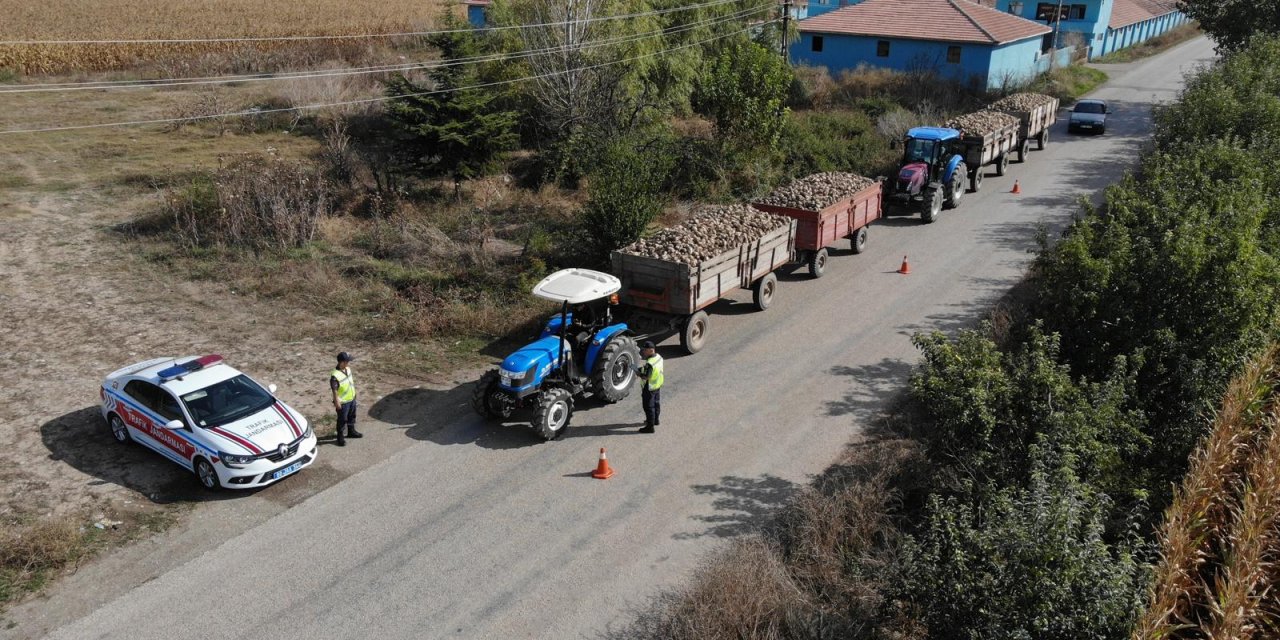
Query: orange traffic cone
1017, 188
603, 470
906, 266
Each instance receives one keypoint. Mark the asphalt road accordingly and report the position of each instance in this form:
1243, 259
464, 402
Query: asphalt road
477, 531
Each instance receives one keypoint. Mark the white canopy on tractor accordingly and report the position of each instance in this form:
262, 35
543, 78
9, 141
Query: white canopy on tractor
576, 286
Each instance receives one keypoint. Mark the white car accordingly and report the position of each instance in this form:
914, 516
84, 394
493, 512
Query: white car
209, 418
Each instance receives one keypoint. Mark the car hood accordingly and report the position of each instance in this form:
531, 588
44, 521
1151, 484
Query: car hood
261, 432
1089, 118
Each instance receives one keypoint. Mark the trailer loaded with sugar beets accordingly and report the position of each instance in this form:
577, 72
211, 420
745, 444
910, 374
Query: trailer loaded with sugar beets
986, 138
827, 207
1035, 112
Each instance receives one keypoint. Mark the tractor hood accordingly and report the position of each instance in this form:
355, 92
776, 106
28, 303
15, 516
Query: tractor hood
526, 368
912, 177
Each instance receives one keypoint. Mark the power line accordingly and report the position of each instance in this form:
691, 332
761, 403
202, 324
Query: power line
364, 36
324, 73
380, 98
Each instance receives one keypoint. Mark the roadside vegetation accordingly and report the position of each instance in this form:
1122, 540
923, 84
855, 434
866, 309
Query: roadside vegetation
1034, 455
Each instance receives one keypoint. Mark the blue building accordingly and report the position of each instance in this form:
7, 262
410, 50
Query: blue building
1102, 26
956, 38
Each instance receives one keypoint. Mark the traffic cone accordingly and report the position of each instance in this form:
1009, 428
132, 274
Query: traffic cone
603, 470
1017, 188
906, 266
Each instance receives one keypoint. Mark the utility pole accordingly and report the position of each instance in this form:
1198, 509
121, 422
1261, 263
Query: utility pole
786, 28
1057, 28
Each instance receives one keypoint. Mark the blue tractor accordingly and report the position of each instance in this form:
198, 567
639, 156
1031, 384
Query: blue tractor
931, 175
581, 352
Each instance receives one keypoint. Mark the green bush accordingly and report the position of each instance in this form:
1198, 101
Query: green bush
987, 411
744, 90
1031, 564
1238, 98
626, 192
814, 141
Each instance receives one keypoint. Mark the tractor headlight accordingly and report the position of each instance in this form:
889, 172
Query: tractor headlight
512, 375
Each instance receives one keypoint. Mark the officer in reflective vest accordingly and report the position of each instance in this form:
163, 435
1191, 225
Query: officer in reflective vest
651, 395
343, 384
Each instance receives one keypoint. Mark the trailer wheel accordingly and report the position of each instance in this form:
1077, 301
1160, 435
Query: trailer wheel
933, 208
1002, 163
488, 400
613, 375
818, 262
858, 243
763, 291
975, 180
1024, 148
1042, 140
694, 333
555, 409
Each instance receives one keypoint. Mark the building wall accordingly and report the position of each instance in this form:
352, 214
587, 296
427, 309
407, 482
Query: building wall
983, 63
1097, 13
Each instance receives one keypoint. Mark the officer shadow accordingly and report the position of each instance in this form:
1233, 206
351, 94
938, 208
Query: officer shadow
82, 440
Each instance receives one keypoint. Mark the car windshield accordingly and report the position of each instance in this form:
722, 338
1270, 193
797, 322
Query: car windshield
1090, 107
918, 150
226, 401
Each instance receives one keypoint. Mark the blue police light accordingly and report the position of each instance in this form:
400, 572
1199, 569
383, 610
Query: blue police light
179, 370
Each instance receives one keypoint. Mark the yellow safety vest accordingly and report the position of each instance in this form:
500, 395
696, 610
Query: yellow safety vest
655, 373
346, 386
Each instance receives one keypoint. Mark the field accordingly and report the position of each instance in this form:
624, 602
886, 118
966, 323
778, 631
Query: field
132, 20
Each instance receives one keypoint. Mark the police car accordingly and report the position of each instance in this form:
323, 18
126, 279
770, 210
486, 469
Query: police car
209, 418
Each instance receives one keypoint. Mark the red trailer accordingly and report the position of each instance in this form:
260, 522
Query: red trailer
847, 217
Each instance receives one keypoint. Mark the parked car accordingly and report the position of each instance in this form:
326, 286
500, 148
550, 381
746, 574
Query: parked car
208, 418
1089, 115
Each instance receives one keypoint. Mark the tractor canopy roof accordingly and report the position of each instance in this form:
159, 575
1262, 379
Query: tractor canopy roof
576, 286
933, 133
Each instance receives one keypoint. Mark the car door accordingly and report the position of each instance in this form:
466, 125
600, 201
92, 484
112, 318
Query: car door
147, 423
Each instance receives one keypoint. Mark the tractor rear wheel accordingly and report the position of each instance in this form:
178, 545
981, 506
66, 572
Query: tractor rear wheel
858, 243
762, 293
487, 398
555, 408
818, 262
694, 333
955, 193
613, 375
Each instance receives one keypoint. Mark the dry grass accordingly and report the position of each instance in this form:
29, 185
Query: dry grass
1158, 44
1219, 540
133, 19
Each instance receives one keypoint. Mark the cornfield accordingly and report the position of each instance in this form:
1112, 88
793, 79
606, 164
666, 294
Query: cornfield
137, 20
1220, 542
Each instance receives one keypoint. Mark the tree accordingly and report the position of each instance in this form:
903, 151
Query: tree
626, 192
1030, 564
744, 90
450, 129
1231, 23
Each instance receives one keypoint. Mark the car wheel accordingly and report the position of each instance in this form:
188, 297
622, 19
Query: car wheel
119, 430
207, 475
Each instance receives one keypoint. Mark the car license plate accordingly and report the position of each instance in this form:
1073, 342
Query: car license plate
286, 471
506, 382
1086, 126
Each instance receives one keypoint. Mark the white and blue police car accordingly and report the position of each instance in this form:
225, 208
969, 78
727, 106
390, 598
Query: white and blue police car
209, 418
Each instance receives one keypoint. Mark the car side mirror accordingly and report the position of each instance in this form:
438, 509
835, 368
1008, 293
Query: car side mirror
174, 425
271, 388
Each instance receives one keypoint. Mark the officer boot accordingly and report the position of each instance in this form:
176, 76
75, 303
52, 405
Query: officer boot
647, 428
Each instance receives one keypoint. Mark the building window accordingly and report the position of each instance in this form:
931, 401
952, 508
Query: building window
882, 49
953, 55
1015, 7
817, 44
1051, 11
1077, 12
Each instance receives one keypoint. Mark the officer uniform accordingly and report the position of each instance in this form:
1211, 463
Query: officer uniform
342, 382
651, 394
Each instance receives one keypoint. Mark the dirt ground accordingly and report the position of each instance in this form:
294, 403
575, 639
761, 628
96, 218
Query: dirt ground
77, 302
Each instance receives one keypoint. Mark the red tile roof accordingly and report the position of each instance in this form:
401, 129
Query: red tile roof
938, 20
1127, 12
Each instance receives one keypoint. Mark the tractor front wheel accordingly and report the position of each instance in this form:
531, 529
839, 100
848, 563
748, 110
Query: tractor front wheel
613, 374
555, 408
932, 207
487, 397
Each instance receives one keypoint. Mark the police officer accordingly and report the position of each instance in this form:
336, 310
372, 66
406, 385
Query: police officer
651, 395
343, 384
